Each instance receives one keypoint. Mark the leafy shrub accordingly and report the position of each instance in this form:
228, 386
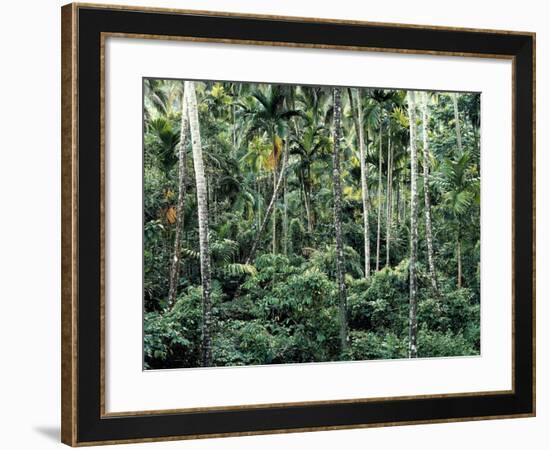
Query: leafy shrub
243, 343
380, 303
365, 345
175, 335
457, 311
434, 343
325, 260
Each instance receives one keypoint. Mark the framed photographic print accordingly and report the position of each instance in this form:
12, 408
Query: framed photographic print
281, 224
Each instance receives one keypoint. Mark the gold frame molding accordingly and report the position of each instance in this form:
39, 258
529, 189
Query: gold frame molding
69, 218
69, 225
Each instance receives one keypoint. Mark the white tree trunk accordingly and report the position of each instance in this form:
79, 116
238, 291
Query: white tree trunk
182, 163
413, 294
337, 192
379, 200
274, 214
202, 205
269, 209
427, 202
389, 192
358, 120
459, 259
398, 200
454, 96
285, 210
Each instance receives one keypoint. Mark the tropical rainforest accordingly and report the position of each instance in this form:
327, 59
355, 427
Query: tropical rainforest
295, 224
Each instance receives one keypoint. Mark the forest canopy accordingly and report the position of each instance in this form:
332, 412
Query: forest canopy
295, 224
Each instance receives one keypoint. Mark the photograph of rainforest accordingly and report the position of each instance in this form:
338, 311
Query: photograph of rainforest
299, 224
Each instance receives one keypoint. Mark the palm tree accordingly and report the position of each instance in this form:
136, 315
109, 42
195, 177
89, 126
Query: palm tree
269, 114
162, 110
310, 140
182, 163
462, 186
382, 99
161, 98
413, 324
458, 181
454, 97
256, 160
357, 113
202, 205
269, 209
394, 103
162, 106
337, 189
379, 196
427, 202
389, 187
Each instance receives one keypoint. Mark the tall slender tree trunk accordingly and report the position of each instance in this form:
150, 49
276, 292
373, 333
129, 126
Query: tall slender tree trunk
182, 163
306, 186
202, 205
311, 206
307, 204
213, 198
209, 194
379, 199
402, 200
427, 202
454, 96
369, 191
459, 260
398, 201
389, 192
274, 215
285, 210
259, 201
413, 324
234, 128
337, 191
358, 120
269, 209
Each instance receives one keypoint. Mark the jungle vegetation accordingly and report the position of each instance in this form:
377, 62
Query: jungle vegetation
294, 224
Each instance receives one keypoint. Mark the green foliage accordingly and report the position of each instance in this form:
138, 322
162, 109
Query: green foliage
155, 282
435, 343
172, 338
325, 260
281, 306
243, 343
382, 302
367, 345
